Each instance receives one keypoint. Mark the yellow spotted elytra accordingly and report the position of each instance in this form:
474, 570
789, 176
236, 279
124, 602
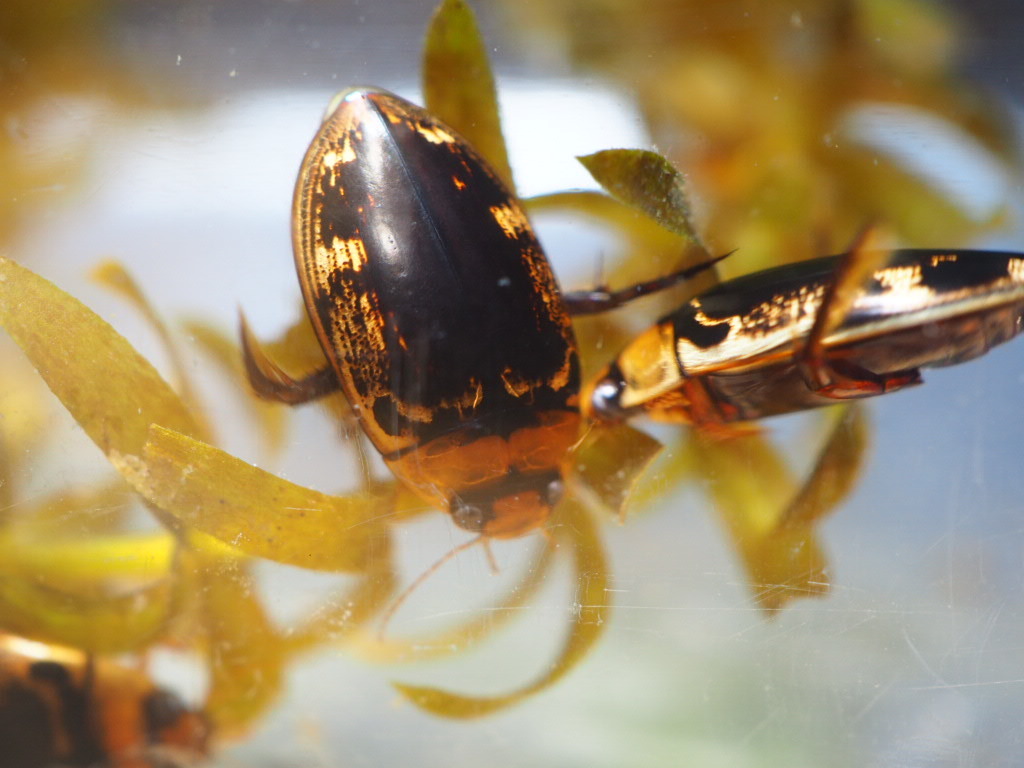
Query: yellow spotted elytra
59, 707
777, 341
438, 313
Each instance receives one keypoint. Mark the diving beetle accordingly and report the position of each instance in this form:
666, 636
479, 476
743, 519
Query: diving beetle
59, 706
438, 314
771, 343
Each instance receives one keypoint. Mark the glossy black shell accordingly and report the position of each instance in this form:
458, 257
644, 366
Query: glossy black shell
425, 282
966, 280
924, 309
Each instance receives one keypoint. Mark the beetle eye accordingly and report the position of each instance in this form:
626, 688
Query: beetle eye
555, 491
472, 517
605, 398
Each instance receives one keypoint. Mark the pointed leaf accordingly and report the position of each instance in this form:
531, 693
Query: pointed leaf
113, 275
255, 511
298, 349
298, 353
785, 565
674, 466
746, 477
610, 460
111, 623
646, 181
111, 390
458, 85
23, 405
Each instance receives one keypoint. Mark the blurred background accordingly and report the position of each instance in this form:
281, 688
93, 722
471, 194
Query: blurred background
167, 135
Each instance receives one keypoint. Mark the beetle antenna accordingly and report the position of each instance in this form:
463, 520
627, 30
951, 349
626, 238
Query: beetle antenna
599, 271
354, 437
491, 561
579, 441
397, 603
601, 300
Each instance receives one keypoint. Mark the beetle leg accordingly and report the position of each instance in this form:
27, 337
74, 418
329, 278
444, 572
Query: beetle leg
841, 379
703, 410
270, 382
601, 300
355, 437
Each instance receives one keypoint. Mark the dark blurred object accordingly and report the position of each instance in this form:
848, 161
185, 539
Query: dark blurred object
60, 708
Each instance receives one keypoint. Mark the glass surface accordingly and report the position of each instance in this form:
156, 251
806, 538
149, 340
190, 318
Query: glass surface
168, 137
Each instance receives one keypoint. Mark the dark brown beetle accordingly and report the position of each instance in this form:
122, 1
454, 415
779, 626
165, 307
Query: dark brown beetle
438, 313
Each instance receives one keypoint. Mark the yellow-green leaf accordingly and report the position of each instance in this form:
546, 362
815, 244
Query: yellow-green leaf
649, 251
746, 477
297, 352
255, 511
23, 405
785, 565
118, 623
298, 349
90, 564
751, 486
458, 85
661, 247
646, 181
109, 595
674, 466
113, 275
247, 658
610, 460
836, 470
111, 390
652, 250
575, 529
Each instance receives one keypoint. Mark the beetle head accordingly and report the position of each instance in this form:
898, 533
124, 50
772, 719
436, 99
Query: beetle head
521, 504
602, 399
645, 378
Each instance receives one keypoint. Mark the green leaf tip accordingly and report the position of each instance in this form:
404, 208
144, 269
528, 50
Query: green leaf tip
646, 181
458, 85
